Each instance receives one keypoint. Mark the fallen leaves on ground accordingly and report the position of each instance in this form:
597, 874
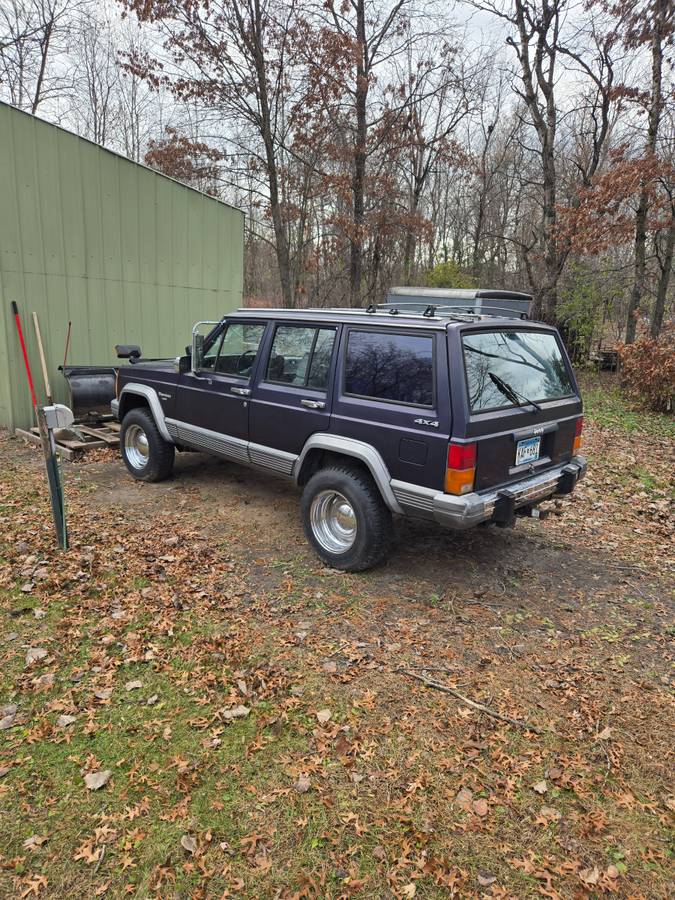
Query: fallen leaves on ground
237, 716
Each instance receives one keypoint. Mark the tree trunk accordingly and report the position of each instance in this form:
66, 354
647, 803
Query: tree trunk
640, 268
549, 290
478, 230
482, 201
540, 70
359, 177
410, 244
280, 239
408, 255
666, 267
43, 65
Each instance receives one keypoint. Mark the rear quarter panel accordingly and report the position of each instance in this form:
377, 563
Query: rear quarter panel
413, 451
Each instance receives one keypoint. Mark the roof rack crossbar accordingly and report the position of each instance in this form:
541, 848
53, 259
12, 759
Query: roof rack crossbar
497, 312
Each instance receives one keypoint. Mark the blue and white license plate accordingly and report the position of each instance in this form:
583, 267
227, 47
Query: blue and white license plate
528, 450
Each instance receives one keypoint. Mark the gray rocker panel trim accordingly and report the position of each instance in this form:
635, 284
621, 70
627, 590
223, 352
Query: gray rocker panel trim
150, 394
212, 441
272, 459
359, 450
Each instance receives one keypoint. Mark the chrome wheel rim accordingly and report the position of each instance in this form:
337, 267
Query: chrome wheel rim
333, 521
136, 447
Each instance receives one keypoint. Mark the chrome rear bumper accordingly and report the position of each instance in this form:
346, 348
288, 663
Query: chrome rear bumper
472, 509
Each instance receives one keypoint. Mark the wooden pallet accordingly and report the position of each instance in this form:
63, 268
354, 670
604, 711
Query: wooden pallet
108, 432
105, 434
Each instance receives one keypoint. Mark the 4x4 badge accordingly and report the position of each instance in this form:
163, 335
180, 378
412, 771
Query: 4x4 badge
432, 422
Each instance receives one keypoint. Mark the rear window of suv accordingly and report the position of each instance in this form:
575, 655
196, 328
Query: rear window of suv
529, 364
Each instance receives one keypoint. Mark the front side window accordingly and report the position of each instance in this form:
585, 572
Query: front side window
301, 356
397, 367
507, 368
238, 349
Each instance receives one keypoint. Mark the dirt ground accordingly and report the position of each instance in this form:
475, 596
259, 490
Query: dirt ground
562, 628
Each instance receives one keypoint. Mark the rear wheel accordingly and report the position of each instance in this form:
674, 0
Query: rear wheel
345, 519
146, 454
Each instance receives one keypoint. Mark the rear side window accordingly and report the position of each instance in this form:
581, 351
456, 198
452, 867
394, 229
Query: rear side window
389, 366
506, 368
301, 356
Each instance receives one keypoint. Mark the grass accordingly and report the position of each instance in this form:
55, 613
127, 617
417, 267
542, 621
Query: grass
607, 405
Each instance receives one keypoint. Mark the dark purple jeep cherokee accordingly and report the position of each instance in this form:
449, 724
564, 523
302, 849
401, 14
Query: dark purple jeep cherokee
461, 418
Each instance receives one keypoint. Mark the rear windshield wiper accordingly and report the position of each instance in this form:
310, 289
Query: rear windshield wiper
511, 393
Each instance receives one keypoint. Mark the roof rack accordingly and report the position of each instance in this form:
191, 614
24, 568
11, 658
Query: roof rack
372, 309
450, 311
404, 309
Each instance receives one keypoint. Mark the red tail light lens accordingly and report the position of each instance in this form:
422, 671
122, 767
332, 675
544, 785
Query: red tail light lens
461, 456
576, 446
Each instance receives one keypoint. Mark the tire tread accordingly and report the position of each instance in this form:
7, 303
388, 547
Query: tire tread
377, 515
162, 453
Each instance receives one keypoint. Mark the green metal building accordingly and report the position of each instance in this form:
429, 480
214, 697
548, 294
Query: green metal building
125, 254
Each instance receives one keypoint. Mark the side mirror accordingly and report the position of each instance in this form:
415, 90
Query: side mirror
128, 351
183, 364
197, 352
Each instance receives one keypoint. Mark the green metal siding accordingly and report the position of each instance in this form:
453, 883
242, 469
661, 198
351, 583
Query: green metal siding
126, 254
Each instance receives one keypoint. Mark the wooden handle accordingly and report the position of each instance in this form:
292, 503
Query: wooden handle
43, 361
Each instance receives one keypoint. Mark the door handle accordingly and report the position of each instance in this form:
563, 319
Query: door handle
313, 404
243, 392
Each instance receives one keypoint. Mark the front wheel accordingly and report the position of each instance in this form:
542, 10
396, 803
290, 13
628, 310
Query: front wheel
146, 454
345, 519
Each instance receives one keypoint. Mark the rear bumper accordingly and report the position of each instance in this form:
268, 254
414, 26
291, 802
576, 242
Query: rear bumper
491, 506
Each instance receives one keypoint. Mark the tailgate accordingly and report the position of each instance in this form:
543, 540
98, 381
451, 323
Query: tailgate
542, 439
521, 400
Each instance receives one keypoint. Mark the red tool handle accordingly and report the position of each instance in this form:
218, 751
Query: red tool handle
15, 310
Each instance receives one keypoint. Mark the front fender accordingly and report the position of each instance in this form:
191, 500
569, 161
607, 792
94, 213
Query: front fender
149, 394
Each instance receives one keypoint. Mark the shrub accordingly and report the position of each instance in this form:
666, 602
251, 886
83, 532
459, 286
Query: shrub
648, 368
585, 308
448, 275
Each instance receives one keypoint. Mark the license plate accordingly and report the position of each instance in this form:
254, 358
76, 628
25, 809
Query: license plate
528, 450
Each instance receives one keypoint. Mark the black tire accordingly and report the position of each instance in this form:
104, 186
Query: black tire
371, 516
160, 453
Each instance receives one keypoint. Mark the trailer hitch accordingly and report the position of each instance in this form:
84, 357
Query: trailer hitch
504, 515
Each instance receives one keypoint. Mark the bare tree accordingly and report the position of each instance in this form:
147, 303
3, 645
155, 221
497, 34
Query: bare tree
32, 35
440, 91
651, 23
230, 55
97, 79
537, 36
356, 42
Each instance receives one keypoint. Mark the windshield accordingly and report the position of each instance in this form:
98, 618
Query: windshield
528, 363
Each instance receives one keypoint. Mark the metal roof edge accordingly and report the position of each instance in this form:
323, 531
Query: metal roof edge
120, 156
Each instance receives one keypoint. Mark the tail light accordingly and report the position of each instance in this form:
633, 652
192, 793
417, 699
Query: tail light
576, 446
461, 469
